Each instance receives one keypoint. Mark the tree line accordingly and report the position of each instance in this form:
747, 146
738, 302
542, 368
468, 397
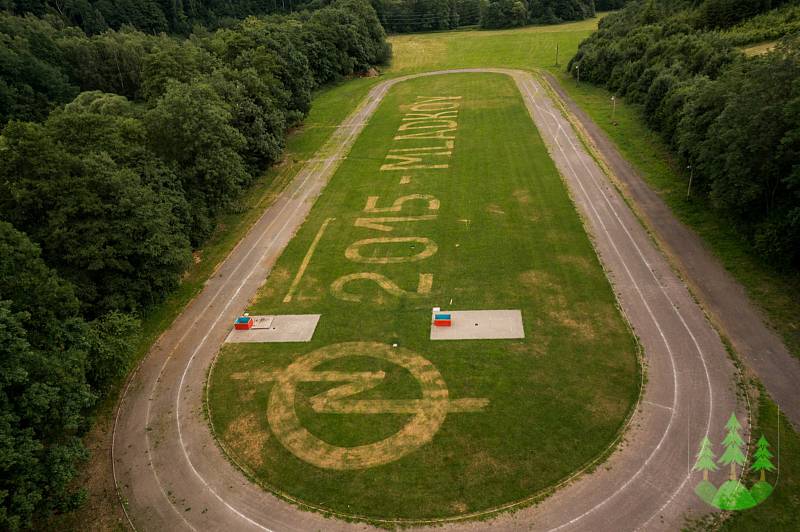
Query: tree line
154, 16
514, 13
396, 16
767, 26
402, 16
406, 16
732, 121
103, 199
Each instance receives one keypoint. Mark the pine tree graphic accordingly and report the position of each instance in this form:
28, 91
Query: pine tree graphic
705, 459
762, 455
733, 446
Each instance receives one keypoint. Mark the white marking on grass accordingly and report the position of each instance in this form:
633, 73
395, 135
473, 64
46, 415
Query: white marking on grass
306, 260
480, 325
353, 251
282, 328
372, 202
337, 287
379, 224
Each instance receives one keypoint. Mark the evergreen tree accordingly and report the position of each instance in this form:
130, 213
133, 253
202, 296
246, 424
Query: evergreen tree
705, 459
763, 456
733, 446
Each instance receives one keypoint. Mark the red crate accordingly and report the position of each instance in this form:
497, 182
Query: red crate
442, 323
243, 325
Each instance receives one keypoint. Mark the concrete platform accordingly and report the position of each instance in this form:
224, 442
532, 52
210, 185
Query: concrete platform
262, 322
480, 325
268, 329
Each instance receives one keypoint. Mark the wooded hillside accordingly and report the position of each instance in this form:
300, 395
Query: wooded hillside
118, 152
154, 16
399, 16
733, 122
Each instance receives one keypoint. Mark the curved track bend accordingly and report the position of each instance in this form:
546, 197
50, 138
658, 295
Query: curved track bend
171, 475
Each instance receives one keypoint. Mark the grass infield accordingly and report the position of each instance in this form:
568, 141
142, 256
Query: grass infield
494, 230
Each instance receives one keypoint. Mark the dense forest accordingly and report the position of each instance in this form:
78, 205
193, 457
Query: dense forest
396, 16
732, 121
511, 13
117, 151
426, 15
154, 16
401, 16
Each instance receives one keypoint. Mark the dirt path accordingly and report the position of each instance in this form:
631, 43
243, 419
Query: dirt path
760, 348
172, 476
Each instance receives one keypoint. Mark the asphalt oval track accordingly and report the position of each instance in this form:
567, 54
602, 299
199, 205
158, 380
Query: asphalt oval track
171, 475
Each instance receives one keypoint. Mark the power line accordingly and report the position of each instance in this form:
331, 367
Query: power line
427, 16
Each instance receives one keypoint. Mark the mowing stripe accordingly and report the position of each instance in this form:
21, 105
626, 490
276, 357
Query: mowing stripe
306, 261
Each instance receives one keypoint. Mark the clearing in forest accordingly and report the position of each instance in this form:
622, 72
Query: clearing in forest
448, 199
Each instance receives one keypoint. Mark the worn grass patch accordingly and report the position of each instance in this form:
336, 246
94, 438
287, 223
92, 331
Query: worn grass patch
434, 429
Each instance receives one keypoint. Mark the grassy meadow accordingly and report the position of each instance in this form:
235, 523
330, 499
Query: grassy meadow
507, 236
524, 48
534, 47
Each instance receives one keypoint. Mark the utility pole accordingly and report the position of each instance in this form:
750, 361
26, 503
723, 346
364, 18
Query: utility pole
556, 54
613, 109
691, 178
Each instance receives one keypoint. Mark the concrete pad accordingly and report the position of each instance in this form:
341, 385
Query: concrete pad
269, 329
262, 322
480, 325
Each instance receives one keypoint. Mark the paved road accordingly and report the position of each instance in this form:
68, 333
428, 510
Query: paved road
172, 476
760, 347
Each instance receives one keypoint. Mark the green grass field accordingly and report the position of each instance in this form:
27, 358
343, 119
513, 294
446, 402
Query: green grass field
506, 235
526, 48
534, 47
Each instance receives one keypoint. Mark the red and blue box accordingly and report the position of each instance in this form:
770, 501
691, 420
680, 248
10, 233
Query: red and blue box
243, 323
442, 320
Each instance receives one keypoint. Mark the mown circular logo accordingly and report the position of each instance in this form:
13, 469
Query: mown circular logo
428, 411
